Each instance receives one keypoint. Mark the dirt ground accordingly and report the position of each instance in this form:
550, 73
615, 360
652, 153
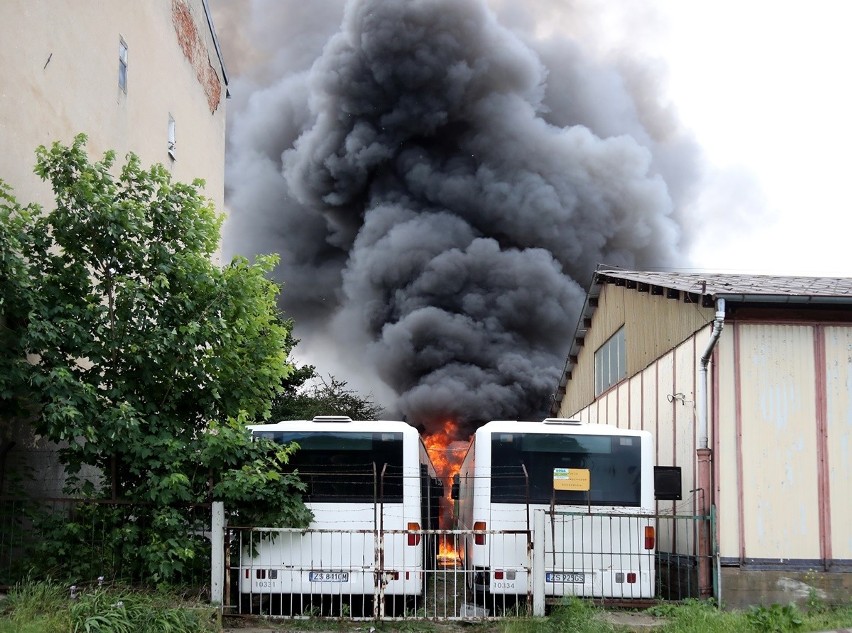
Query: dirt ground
630, 620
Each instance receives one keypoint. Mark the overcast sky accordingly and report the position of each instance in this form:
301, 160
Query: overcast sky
765, 86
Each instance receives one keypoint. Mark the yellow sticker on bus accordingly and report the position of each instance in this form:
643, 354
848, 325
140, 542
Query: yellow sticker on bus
577, 479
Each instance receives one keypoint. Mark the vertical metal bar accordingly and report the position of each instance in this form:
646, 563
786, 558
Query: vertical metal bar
375, 543
217, 550
381, 544
717, 568
527, 493
538, 586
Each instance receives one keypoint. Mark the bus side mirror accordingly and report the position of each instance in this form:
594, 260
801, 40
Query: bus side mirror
454, 490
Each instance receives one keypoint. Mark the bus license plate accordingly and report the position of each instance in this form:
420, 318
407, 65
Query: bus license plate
565, 576
328, 576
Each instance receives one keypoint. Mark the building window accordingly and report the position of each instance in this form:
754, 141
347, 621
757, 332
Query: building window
122, 64
171, 143
610, 362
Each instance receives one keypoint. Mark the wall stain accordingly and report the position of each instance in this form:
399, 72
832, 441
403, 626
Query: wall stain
196, 52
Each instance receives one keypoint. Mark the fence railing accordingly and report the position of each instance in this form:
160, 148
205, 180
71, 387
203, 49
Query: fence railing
434, 574
624, 556
360, 574
88, 541
369, 574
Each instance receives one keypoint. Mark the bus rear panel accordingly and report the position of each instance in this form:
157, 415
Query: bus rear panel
598, 541
368, 488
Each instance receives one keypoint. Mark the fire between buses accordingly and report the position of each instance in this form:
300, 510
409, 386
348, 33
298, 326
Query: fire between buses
595, 482
371, 488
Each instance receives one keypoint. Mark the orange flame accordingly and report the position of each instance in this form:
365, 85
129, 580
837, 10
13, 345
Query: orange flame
447, 460
447, 555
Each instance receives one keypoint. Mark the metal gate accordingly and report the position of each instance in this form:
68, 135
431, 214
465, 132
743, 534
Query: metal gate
421, 574
624, 559
361, 574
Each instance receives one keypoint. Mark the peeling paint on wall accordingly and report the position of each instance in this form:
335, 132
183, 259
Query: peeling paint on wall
196, 52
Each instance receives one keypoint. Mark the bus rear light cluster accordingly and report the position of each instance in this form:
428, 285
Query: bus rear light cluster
650, 537
631, 577
499, 574
479, 533
413, 539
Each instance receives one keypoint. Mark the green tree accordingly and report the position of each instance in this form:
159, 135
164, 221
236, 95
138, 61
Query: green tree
148, 358
310, 395
16, 405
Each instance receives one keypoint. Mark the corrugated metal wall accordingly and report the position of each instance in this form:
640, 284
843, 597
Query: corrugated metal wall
725, 444
661, 400
780, 425
785, 424
777, 398
653, 326
838, 358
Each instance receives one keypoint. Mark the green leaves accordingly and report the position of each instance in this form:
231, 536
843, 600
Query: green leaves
146, 359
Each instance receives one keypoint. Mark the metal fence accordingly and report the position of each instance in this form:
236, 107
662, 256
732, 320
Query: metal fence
361, 574
86, 541
679, 562
367, 574
422, 574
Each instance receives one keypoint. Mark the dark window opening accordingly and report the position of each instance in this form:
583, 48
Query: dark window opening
345, 467
614, 464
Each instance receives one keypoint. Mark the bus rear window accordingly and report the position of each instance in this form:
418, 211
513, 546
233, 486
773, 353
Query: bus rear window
345, 467
613, 462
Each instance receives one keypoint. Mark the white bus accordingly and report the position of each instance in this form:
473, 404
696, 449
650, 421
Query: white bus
371, 487
596, 484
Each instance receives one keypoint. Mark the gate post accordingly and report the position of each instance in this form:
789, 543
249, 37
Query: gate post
705, 580
217, 552
537, 571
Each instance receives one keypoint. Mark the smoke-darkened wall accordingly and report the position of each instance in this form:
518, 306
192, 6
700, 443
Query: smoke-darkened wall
440, 189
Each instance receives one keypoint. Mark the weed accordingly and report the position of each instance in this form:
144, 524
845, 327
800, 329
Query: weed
775, 618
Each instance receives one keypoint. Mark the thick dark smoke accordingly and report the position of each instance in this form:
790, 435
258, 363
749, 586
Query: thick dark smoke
440, 189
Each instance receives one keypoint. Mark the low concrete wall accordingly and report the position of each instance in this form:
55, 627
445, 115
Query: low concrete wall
744, 588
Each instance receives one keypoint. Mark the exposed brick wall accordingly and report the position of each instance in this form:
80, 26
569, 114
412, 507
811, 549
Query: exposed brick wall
195, 51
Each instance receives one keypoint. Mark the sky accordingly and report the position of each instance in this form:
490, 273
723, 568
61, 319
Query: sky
673, 134
765, 87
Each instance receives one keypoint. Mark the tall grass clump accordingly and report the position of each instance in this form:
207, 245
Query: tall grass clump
35, 607
45, 607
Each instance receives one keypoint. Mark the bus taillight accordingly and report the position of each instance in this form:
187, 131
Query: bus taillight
649, 537
413, 539
479, 530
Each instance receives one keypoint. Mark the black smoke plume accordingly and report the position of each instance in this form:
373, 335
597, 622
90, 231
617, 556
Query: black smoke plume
440, 189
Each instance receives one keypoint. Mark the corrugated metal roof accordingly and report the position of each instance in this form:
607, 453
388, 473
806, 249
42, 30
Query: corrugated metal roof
735, 286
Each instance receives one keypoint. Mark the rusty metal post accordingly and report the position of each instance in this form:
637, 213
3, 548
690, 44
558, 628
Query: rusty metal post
705, 562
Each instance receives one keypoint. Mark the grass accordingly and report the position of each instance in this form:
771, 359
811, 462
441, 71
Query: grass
45, 607
703, 617
692, 617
